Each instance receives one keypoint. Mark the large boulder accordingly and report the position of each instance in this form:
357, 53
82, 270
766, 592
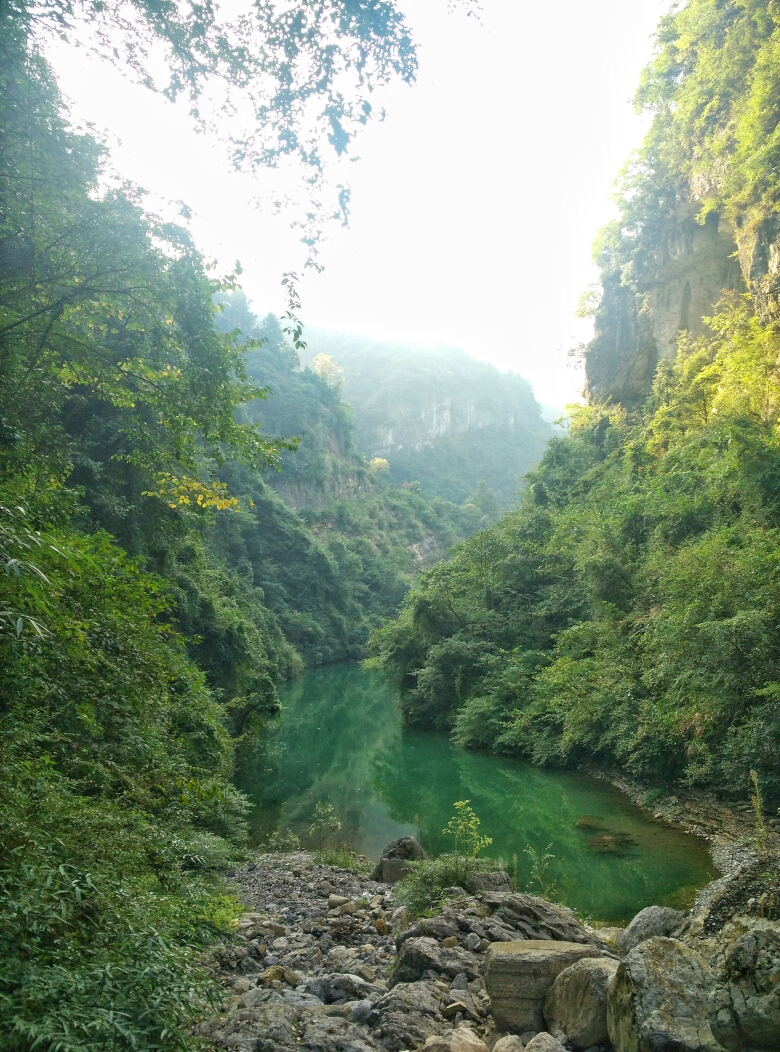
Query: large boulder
744, 1011
658, 1000
462, 1039
518, 976
535, 918
576, 1003
417, 956
406, 1016
544, 1042
651, 921
392, 866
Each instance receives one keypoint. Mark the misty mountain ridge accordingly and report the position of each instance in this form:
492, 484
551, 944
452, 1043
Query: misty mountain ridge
438, 416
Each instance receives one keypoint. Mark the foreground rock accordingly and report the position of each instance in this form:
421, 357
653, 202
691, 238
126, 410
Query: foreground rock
744, 1011
544, 1042
519, 975
426, 958
651, 921
460, 1040
576, 1003
407, 1016
392, 866
658, 1000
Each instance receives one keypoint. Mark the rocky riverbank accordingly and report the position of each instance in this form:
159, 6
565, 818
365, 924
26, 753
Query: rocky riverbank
324, 960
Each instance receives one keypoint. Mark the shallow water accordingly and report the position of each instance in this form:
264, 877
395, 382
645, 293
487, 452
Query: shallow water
339, 740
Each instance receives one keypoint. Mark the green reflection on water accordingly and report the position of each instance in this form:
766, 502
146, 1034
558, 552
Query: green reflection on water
340, 740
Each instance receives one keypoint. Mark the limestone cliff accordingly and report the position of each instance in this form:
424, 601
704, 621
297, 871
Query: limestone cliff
687, 270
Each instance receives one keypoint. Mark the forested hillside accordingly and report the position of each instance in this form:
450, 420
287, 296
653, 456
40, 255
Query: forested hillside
627, 612
439, 417
155, 588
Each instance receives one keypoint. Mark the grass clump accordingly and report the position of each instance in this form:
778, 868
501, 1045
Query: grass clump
425, 886
344, 857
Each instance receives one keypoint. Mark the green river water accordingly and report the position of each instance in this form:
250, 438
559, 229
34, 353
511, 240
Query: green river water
339, 740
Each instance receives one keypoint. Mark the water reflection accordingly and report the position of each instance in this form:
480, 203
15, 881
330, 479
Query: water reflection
339, 740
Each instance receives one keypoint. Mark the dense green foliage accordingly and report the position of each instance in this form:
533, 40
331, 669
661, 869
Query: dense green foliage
439, 417
627, 611
146, 611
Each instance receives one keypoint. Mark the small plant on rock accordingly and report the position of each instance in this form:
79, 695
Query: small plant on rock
540, 863
464, 827
324, 824
284, 841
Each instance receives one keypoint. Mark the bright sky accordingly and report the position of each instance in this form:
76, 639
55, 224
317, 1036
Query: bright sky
474, 204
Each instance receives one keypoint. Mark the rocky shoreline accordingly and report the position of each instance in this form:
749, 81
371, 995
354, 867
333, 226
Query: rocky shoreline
729, 827
325, 960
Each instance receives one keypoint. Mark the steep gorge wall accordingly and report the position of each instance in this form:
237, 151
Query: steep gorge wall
690, 267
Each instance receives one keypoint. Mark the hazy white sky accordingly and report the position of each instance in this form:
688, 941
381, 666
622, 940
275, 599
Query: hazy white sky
474, 204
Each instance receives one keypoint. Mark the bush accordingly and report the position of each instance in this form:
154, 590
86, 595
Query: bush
424, 888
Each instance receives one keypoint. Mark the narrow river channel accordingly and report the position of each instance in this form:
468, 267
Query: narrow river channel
339, 740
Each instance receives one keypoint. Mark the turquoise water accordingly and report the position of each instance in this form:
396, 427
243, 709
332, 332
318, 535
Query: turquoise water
339, 740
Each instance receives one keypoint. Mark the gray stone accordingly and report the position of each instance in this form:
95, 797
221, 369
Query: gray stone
406, 1016
343, 986
653, 920
576, 1003
744, 1011
323, 1032
518, 976
361, 1010
417, 956
658, 1000
392, 865
535, 918
439, 928
544, 1042
497, 880
461, 1039
272, 1024
509, 1043
472, 941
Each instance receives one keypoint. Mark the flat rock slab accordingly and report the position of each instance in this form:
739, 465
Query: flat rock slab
518, 976
658, 1000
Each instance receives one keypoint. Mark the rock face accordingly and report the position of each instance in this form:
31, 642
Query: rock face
498, 880
392, 865
688, 268
744, 1011
658, 1000
653, 920
518, 976
576, 1003
418, 956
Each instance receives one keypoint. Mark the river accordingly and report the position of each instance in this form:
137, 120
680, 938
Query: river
339, 740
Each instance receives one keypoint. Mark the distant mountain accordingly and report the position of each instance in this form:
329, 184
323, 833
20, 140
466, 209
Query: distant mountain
437, 416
